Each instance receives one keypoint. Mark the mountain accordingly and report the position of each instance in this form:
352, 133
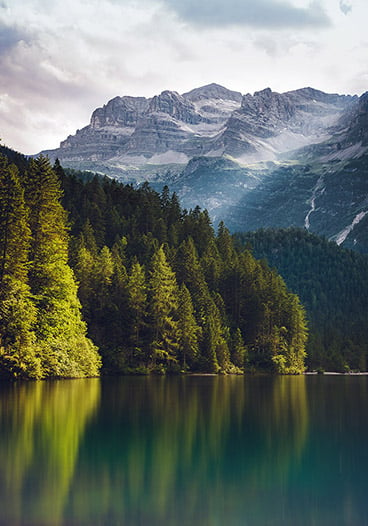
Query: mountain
134, 133
298, 158
212, 121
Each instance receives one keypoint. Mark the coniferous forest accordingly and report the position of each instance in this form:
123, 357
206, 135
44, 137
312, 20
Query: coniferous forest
95, 273
332, 284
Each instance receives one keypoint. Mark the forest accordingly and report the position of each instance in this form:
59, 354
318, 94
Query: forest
97, 276
332, 284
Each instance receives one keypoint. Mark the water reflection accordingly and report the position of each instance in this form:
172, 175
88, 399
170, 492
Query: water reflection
189, 450
196, 450
41, 426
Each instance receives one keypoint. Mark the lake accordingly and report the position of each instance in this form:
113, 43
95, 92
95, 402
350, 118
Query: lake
199, 450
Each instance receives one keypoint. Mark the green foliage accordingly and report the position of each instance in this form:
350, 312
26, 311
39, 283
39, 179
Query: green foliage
163, 305
160, 292
188, 329
332, 284
42, 333
17, 310
202, 305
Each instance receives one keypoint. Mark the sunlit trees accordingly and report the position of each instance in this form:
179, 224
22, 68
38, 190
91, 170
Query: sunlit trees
17, 311
160, 292
163, 293
42, 325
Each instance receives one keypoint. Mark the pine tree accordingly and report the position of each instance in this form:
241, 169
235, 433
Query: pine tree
66, 351
211, 337
188, 330
17, 312
137, 293
188, 270
163, 310
238, 351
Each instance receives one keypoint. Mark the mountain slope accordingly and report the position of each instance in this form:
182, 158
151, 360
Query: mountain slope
211, 120
332, 284
298, 158
330, 199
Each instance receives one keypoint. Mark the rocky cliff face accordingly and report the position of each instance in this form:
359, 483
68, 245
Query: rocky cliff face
209, 121
133, 131
268, 124
298, 158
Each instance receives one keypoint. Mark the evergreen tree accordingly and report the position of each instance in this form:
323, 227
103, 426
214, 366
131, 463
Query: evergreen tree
137, 291
17, 312
188, 330
163, 310
66, 351
239, 351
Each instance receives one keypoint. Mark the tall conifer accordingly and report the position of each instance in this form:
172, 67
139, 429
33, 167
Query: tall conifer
66, 351
163, 310
17, 312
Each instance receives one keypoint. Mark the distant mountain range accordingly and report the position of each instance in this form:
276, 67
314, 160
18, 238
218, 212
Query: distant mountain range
298, 158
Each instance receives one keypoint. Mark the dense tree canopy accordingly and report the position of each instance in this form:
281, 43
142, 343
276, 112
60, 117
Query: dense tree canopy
159, 290
42, 333
187, 298
332, 283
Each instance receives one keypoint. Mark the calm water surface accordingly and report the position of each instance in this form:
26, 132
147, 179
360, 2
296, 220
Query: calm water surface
185, 451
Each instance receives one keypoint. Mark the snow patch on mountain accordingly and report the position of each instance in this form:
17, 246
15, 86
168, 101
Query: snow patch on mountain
341, 236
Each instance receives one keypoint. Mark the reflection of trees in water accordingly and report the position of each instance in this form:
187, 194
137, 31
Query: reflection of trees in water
201, 448
193, 447
281, 412
196, 450
41, 425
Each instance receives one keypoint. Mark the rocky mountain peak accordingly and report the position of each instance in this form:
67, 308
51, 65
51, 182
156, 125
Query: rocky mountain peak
213, 91
260, 115
358, 122
264, 93
119, 111
175, 105
128, 133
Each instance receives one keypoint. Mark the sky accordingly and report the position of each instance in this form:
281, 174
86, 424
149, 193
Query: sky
59, 60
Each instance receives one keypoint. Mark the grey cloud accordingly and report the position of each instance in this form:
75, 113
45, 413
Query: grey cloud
345, 7
9, 37
270, 14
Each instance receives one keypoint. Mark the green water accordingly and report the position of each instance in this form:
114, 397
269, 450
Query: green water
185, 451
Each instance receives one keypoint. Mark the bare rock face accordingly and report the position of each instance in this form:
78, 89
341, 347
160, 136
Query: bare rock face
355, 123
164, 126
169, 128
120, 112
213, 92
269, 123
132, 132
109, 129
174, 105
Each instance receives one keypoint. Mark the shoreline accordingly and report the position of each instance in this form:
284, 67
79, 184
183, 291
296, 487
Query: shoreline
334, 373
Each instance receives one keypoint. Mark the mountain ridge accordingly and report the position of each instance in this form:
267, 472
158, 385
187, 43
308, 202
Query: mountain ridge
298, 158
210, 120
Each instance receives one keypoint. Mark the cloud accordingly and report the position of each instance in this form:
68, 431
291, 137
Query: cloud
59, 60
271, 14
10, 36
345, 7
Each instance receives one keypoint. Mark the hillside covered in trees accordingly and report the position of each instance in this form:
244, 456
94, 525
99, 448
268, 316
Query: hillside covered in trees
158, 290
332, 284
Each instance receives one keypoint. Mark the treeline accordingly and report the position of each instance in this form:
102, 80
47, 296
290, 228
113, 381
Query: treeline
332, 284
41, 329
160, 292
